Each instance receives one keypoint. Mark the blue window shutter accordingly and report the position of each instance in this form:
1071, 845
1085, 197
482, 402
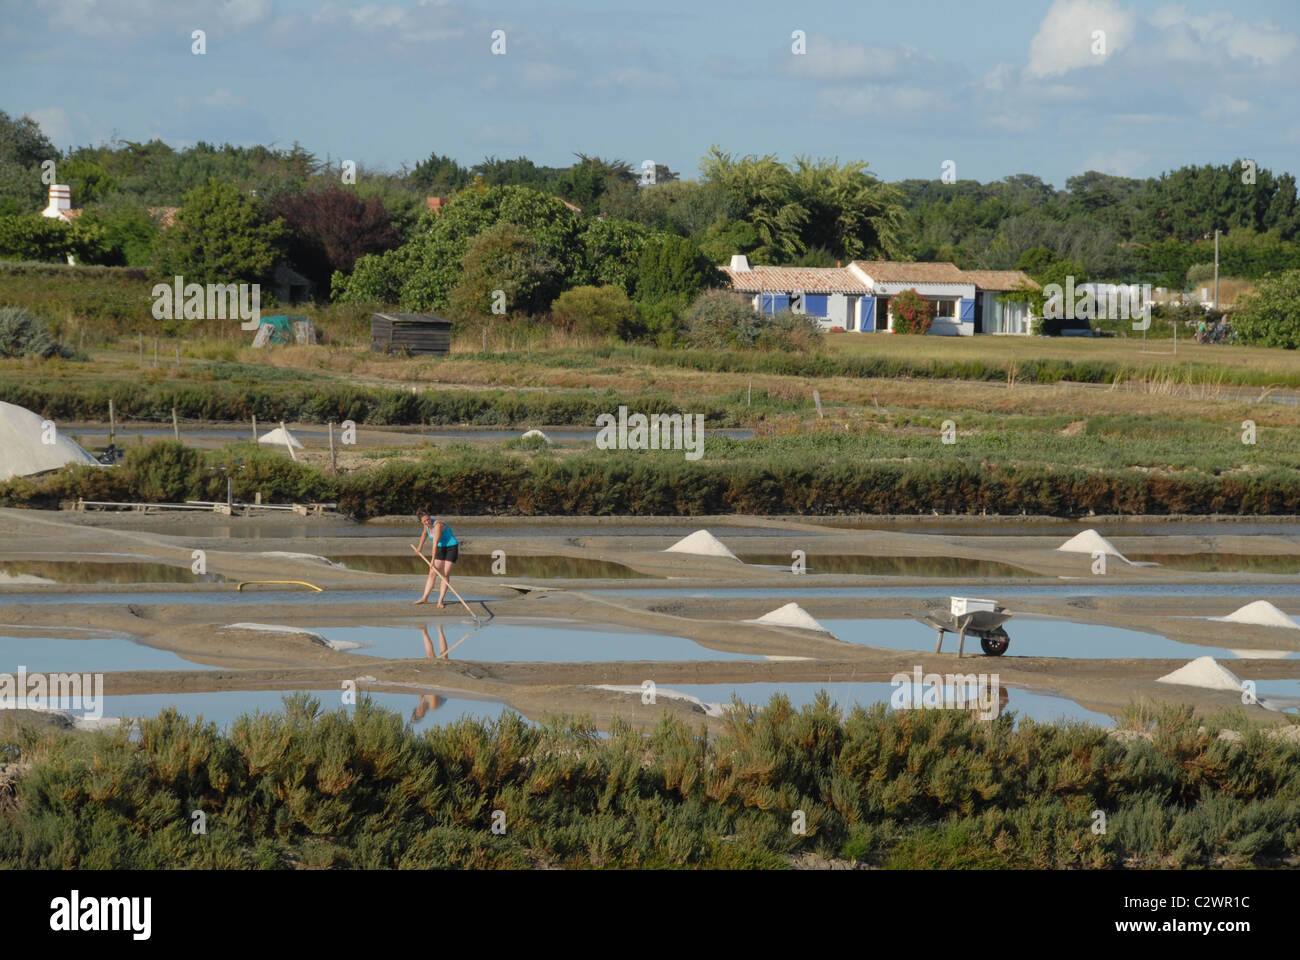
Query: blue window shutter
780, 301
966, 313
815, 304
868, 314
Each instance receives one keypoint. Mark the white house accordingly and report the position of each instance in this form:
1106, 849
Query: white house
857, 297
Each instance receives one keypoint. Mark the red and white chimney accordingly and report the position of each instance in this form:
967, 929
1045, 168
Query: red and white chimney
60, 202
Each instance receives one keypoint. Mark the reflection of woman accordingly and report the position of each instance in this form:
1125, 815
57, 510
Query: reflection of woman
430, 701
446, 551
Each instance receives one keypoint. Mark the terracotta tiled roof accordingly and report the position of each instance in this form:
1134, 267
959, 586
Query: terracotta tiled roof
807, 279
895, 271
1000, 279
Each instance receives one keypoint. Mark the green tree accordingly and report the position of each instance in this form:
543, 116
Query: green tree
672, 268
506, 258
23, 147
221, 235
34, 237
719, 319
130, 234
596, 311
1270, 317
440, 176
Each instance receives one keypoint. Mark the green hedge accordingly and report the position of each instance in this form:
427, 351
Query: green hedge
664, 484
913, 788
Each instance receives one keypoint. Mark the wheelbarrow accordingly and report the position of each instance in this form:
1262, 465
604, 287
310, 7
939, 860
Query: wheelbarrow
967, 615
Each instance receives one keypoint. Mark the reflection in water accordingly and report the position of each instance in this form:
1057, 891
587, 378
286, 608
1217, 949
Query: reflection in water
894, 566
481, 565
1223, 562
431, 701
104, 571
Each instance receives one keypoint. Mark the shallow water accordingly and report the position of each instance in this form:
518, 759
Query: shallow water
1040, 707
103, 571
531, 641
1076, 588
892, 566
224, 707
255, 528
86, 655
482, 565
1040, 527
1034, 637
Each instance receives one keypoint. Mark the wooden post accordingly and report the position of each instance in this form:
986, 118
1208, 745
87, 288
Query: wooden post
293, 456
749, 397
938, 644
485, 338
178, 354
112, 423
176, 427
334, 463
254, 428
961, 643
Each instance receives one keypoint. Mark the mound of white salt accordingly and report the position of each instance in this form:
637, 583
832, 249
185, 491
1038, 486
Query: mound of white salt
1090, 542
280, 437
791, 615
276, 628
702, 544
1260, 654
710, 709
1204, 672
1261, 613
534, 433
289, 555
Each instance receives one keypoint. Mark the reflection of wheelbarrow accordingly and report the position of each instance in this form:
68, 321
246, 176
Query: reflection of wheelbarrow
982, 618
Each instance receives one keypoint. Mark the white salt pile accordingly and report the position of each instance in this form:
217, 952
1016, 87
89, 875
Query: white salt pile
30, 445
1261, 654
275, 628
1261, 613
702, 544
1090, 542
791, 615
534, 433
1204, 672
289, 555
710, 709
279, 437
23, 578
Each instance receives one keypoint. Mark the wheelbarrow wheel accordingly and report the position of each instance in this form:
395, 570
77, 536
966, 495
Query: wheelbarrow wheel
996, 644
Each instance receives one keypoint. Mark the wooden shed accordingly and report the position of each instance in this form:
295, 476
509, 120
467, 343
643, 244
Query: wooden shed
414, 333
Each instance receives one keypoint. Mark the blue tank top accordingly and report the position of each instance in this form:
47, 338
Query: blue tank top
448, 538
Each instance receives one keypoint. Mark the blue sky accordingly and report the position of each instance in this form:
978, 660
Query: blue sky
996, 87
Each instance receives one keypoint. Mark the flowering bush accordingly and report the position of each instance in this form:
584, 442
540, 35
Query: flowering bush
912, 312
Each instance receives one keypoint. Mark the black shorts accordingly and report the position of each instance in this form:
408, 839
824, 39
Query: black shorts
449, 553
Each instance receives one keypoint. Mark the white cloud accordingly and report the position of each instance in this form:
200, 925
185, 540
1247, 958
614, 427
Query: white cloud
54, 124
1121, 162
502, 135
1189, 37
832, 59
120, 18
1224, 107
1067, 37
222, 99
538, 77
637, 78
883, 101
399, 25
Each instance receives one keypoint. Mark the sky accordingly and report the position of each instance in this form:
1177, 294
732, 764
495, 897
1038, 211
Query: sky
992, 88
